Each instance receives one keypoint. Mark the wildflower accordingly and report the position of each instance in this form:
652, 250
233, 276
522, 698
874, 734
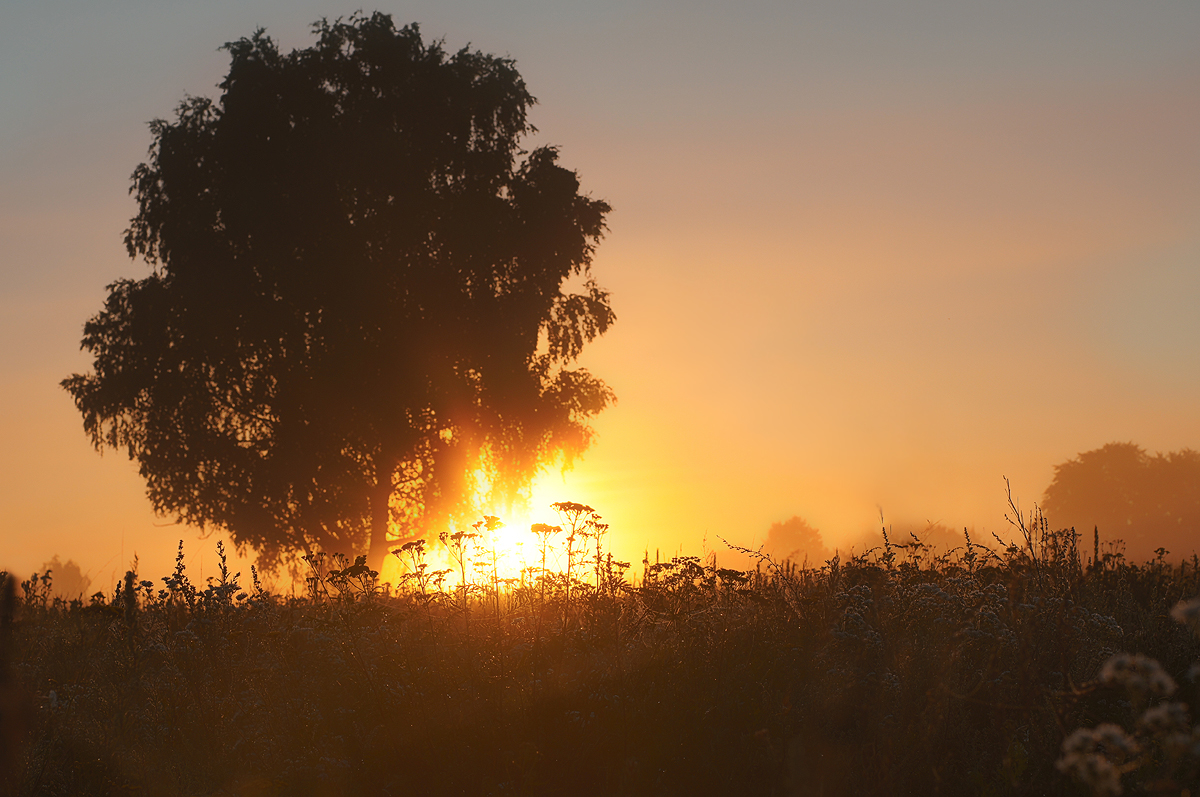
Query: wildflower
187, 635
1104, 625
1165, 717
1182, 744
1093, 771
1139, 674
1092, 756
1188, 613
1113, 741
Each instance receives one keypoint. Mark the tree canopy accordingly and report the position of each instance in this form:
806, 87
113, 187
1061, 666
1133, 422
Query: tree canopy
366, 301
1146, 501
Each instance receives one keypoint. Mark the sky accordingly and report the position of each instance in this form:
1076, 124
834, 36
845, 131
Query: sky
868, 258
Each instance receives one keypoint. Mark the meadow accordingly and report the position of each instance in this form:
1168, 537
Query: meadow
1051, 665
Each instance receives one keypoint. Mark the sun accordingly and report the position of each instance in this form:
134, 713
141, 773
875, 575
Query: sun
498, 546
510, 544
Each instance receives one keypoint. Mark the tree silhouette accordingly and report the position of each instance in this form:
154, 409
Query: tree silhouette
796, 540
363, 309
69, 581
1147, 501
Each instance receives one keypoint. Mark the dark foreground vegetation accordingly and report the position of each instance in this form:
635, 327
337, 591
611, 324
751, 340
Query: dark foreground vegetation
1037, 669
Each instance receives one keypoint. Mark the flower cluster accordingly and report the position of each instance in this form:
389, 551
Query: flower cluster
1094, 756
1141, 675
1188, 613
1164, 736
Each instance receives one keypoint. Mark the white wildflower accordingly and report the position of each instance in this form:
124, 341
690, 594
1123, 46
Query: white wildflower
1141, 675
1165, 717
1095, 772
1188, 613
1092, 755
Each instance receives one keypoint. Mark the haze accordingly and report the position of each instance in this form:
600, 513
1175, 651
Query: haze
865, 256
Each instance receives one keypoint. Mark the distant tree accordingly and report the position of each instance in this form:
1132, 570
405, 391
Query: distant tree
67, 579
796, 540
1147, 501
363, 308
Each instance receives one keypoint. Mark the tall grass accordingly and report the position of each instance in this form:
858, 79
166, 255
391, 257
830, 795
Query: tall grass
982, 670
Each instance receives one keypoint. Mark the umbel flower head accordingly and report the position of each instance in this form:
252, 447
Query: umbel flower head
1093, 757
1165, 718
1188, 613
1141, 675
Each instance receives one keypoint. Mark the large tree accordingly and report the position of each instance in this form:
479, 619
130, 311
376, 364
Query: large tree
1146, 501
364, 305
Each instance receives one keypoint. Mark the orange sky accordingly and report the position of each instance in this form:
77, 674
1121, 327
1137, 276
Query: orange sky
861, 259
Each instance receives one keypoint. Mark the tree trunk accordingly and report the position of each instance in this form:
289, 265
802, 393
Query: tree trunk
381, 496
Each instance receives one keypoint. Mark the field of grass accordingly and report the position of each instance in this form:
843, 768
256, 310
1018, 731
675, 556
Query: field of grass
1048, 667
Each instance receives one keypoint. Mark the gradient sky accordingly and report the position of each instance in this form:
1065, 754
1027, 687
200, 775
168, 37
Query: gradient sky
865, 256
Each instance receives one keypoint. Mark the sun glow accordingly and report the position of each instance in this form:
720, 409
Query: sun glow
500, 548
